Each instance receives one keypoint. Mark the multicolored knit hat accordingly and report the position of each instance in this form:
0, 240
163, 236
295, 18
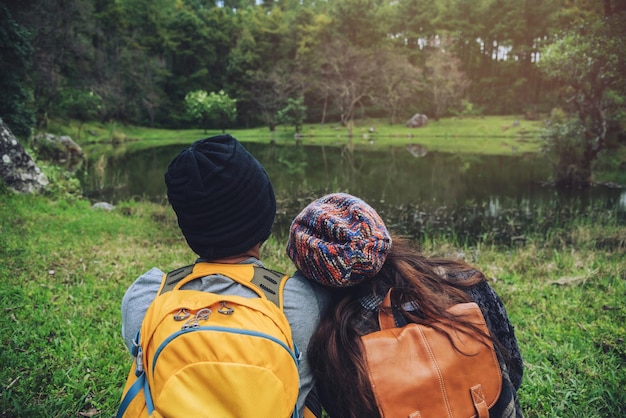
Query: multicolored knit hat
338, 240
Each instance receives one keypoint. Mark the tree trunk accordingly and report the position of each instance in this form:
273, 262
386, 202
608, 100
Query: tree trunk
324, 109
574, 174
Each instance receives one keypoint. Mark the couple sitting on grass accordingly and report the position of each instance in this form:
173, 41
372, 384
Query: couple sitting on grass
346, 263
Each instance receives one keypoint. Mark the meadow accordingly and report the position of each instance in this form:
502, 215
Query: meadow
67, 265
501, 135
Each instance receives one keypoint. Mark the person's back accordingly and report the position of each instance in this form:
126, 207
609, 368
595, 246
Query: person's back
341, 242
225, 206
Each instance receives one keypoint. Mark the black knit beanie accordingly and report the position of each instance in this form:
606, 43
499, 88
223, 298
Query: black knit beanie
222, 196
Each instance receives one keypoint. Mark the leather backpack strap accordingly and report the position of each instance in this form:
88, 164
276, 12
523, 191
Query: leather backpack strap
385, 314
480, 401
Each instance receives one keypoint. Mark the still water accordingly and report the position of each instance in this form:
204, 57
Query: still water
469, 197
393, 176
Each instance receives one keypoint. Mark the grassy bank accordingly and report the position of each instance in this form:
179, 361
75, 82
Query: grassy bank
493, 135
66, 267
488, 135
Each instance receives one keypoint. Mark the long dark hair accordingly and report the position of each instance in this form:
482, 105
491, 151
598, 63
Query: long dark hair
335, 350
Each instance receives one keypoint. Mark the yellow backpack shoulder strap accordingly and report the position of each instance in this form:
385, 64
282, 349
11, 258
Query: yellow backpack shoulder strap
264, 282
173, 278
271, 283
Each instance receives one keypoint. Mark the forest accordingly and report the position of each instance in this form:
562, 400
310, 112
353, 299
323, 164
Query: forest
135, 60
272, 62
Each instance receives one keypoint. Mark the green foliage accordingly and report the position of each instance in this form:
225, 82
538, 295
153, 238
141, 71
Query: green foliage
63, 185
16, 107
469, 109
353, 19
565, 147
589, 60
293, 114
83, 105
196, 107
216, 109
141, 57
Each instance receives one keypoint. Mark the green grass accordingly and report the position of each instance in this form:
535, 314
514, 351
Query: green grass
66, 267
493, 135
486, 135
568, 308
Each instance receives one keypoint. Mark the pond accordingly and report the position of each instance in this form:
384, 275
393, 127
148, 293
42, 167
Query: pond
411, 187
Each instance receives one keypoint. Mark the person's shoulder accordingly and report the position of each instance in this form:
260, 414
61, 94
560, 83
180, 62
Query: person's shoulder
147, 283
299, 281
299, 289
136, 301
154, 275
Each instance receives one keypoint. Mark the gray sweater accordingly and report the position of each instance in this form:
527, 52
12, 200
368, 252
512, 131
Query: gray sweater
304, 303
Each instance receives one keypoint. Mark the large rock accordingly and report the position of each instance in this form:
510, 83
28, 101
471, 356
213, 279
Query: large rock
417, 121
60, 150
17, 168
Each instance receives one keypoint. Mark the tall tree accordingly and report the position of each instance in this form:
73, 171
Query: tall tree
467, 23
349, 75
61, 37
15, 58
125, 73
357, 21
590, 62
398, 83
197, 47
410, 24
261, 64
526, 26
271, 90
444, 81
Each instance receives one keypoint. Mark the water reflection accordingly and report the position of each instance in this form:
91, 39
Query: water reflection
471, 192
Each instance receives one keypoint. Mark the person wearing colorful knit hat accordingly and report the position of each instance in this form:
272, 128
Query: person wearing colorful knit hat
341, 242
349, 240
225, 206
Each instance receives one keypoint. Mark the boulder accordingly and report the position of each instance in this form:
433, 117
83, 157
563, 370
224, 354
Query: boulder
17, 168
103, 205
60, 150
417, 121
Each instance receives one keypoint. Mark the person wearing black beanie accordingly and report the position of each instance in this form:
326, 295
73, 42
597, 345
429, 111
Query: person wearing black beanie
225, 205
222, 196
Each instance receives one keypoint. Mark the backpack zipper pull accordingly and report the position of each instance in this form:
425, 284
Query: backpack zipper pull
181, 315
202, 315
225, 309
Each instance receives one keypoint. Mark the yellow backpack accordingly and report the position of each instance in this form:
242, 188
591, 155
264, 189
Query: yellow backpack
201, 354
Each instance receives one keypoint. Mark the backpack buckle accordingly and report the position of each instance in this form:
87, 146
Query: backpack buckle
139, 361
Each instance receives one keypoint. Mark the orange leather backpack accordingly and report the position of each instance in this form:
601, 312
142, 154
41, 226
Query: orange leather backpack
417, 371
